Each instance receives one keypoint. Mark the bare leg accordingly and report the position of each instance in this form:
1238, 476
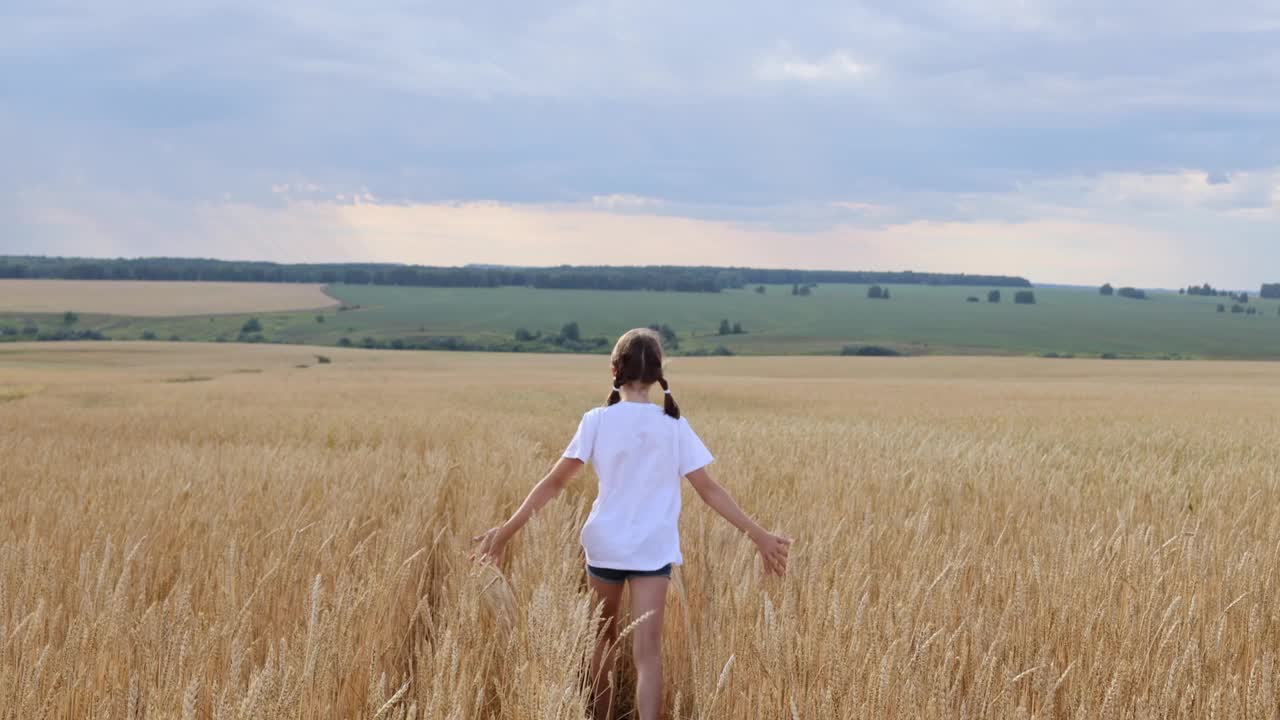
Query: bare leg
648, 594
602, 660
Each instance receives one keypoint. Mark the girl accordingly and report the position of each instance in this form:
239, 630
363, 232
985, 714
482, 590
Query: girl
640, 452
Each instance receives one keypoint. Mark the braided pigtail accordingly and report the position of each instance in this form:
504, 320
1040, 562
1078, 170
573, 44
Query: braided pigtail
668, 402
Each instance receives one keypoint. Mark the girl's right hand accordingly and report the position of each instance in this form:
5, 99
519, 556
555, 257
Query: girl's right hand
773, 551
491, 545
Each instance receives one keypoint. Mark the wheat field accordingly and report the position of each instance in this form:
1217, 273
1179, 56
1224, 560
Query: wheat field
211, 531
158, 298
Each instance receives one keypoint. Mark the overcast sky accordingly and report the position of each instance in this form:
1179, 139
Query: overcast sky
1131, 141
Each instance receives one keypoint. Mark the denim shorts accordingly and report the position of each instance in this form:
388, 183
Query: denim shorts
617, 577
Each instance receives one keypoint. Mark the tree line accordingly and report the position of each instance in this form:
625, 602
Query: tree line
650, 277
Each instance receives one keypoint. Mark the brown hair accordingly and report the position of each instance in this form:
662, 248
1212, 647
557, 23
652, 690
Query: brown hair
637, 357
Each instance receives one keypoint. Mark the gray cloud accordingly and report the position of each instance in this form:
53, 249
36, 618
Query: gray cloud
740, 111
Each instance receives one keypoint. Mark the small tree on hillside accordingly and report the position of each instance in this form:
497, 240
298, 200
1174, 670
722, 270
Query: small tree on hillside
1024, 297
737, 328
725, 328
70, 318
570, 331
251, 326
993, 296
875, 292
1106, 289
1222, 308
760, 290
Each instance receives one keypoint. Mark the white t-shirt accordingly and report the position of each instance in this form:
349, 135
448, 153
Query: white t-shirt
640, 454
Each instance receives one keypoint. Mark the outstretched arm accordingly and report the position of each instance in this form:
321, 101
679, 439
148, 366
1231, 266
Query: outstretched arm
494, 541
773, 548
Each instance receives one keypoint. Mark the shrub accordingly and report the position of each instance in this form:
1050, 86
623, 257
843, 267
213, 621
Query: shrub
1024, 297
972, 298
70, 318
148, 335
523, 335
570, 331
669, 339
251, 326
760, 289
323, 359
31, 329
725, 328
344, 342
993, 296
1222, 308
175, 338
1237, 308
1106, 289
1109, 356
319, 318
875, 292
737, 328
869, 351
1132, 293
397, 344
368, 342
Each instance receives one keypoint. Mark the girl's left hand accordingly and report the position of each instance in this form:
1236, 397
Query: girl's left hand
491, 546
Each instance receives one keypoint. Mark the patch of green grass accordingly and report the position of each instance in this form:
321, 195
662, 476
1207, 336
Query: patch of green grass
917, 320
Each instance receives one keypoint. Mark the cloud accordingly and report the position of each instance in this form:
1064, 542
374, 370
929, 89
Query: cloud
135, 119
838, 66
623, 201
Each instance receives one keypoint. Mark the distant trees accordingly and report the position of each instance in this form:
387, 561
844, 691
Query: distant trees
1024, 297
993, 296
1222, 308
1206, 290
652, 277
1237, 308
251, 326
1106, 289
798, 289
727, 328
1132, 293
1270, 291
570, 332
70, 318
875, 292
523, 335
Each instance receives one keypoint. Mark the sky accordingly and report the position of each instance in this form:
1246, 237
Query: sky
1068, 141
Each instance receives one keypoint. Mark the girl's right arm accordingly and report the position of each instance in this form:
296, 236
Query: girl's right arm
773, 548
492, 543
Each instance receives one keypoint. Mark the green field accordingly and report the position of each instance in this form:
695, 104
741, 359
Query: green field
917, 320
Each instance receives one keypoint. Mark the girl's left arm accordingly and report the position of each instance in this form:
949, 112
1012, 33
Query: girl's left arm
493, 542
